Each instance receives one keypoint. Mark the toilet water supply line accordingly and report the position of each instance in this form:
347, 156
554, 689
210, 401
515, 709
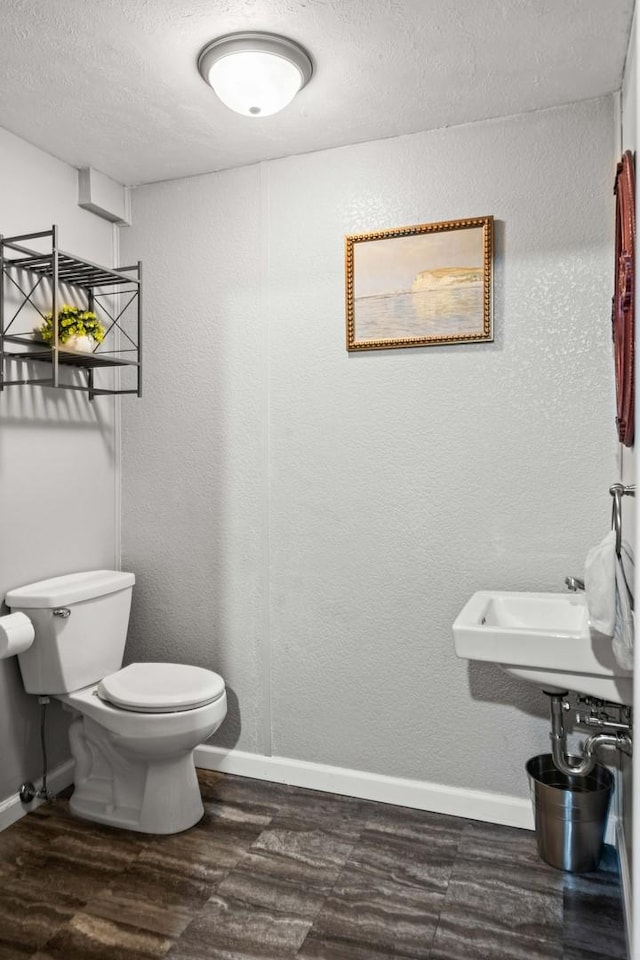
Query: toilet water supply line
621, 740
28, 791
43, 793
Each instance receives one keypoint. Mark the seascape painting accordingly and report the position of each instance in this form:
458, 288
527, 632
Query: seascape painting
419, 286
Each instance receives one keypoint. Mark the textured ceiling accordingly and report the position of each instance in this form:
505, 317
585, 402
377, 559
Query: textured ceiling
113, 83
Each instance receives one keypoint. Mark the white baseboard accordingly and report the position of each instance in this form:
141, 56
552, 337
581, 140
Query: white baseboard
419, 794
625, 883
13, 808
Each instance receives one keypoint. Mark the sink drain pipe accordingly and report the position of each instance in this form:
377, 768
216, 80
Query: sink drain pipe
621, 740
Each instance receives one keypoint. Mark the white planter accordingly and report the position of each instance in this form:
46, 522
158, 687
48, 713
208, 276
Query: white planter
79, 344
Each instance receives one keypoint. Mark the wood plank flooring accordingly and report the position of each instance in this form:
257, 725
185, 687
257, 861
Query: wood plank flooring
277, 872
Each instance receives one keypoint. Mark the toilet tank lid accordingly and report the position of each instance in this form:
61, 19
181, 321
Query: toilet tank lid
71, 588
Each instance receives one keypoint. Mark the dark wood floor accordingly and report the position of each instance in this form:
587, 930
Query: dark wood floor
277, 872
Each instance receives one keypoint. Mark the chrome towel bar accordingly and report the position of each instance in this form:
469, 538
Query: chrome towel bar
618, 491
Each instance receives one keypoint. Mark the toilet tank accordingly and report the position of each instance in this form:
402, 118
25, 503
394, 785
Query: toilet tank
80, 622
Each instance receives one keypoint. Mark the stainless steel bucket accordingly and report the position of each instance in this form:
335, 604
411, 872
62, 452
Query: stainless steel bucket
570, 814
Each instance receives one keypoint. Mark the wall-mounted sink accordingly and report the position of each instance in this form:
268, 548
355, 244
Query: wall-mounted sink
544, 638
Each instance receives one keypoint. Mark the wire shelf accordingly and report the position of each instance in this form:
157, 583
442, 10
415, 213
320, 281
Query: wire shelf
19, 263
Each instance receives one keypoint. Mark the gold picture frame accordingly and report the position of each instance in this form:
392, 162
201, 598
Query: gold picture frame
420, 286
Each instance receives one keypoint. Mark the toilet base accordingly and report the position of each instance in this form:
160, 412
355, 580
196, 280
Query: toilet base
128, 818
117, 786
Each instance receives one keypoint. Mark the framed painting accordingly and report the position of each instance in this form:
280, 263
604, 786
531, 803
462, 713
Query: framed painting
623, 315
420, 286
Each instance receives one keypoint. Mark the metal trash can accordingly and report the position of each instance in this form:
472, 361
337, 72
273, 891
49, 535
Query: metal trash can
570, 814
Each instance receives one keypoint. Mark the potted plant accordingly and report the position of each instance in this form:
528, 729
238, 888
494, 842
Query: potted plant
78, 329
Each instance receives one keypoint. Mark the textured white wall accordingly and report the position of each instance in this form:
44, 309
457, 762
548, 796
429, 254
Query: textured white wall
57, 454
310, 522
194, 502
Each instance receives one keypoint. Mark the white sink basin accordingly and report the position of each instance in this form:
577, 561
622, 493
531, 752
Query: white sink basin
544, 638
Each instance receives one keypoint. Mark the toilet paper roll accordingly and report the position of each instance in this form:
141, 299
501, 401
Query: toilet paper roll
16, 634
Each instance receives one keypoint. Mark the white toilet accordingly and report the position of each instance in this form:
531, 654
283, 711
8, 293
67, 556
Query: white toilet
136, 727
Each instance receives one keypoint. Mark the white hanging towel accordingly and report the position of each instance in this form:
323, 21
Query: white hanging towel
624, 627
600, 585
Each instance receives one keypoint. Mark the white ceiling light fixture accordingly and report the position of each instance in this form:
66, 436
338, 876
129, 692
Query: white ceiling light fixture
255, 74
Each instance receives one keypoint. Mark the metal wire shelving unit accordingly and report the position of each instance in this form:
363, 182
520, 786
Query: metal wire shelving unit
33, 278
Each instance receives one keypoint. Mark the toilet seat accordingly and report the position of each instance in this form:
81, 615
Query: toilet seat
161, 687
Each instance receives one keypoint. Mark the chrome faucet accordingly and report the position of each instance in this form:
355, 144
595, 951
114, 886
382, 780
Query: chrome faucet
574, 584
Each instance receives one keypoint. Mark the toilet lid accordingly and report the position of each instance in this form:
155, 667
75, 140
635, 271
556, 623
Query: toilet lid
161, 687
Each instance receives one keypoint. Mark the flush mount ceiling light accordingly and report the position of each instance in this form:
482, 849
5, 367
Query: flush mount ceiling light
255, 74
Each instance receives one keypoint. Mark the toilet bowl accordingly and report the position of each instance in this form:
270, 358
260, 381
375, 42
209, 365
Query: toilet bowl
134, 764
135, 728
